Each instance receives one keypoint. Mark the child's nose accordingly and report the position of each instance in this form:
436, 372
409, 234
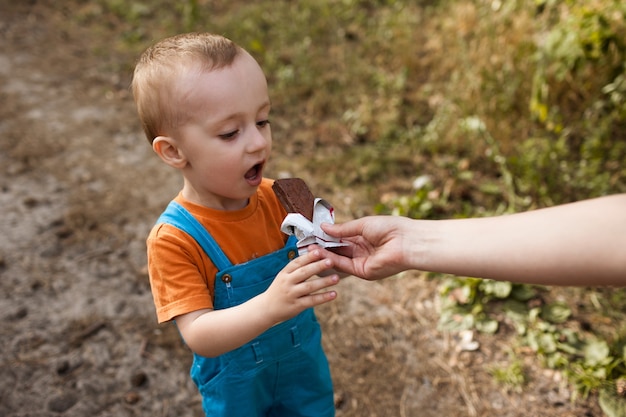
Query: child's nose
257, 140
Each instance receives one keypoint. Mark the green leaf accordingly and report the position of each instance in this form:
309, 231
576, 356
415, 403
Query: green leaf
499, 289
523, 292
556, 312
487, 326
547, 343
455, 321
596, 352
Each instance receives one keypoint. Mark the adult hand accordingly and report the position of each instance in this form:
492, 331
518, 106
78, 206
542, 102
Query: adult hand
378, 246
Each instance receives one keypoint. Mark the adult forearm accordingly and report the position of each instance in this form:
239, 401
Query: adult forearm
582, 243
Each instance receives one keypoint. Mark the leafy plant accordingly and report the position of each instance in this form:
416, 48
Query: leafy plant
588, 361
511, 375
535, 132
578, 102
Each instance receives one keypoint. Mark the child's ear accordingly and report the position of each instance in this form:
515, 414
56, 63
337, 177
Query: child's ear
169, 152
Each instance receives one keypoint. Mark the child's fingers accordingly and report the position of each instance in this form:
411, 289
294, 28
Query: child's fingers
310, 263
311, 286
306, 272
311, 292
313, 300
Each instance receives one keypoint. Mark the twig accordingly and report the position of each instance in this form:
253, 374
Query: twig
471, 409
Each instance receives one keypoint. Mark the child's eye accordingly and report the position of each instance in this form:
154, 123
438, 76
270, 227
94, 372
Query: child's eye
228, 135
263, 123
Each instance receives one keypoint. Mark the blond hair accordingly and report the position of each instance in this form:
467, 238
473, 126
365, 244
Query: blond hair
158, 68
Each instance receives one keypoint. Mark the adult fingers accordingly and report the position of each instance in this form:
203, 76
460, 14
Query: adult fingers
341, 259
342, 230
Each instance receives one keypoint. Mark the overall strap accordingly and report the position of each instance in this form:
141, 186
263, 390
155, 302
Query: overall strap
179, 217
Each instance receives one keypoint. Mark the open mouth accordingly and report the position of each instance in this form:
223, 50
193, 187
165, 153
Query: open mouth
254, 172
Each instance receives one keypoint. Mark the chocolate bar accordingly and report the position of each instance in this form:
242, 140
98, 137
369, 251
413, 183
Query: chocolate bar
295, 196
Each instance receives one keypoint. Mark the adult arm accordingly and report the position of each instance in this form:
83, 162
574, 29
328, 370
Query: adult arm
582, 243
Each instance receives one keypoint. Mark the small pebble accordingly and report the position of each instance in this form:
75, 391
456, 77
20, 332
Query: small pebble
62, 403
132, 397
139, 379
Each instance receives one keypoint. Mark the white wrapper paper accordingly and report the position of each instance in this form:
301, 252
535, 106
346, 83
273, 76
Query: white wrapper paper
308, 232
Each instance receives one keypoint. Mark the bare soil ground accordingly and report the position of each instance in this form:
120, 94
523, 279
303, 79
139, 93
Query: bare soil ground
79, 190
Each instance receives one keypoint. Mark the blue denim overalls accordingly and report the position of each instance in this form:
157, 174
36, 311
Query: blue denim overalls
284, 371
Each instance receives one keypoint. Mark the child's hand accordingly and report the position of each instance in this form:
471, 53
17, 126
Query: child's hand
296, 287
214, 332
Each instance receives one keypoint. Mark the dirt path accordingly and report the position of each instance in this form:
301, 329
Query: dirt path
79, 190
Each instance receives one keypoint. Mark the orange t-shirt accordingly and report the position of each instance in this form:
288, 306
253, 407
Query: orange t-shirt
182, 276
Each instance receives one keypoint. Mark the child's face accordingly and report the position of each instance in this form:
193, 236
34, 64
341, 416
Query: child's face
227, 137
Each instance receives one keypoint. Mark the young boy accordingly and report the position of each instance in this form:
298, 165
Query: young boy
219, 264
